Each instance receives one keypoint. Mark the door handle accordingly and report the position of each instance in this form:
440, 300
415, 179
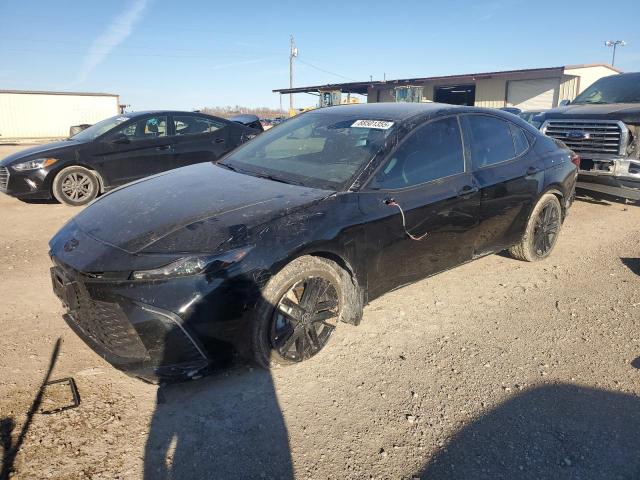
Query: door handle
218, 140
164, 147
468, 190
532, 171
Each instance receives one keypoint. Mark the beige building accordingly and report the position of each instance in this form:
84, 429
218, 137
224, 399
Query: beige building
32, 114
531, 89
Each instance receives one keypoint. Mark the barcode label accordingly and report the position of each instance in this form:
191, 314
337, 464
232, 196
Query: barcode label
378, 124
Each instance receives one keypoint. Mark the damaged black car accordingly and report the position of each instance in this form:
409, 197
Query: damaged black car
265, 252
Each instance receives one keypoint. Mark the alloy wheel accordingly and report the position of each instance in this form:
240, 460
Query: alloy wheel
304, 319
546, 229
77, 187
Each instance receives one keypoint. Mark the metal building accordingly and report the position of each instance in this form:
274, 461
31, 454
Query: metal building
33, 114
530, 89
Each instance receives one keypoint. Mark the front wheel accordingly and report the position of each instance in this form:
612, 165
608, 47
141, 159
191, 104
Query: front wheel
75, 186
542, 230
300, 309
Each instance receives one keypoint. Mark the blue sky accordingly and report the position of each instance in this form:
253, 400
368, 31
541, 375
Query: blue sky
190, 54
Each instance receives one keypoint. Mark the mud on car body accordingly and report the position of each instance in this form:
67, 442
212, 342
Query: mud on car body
265, 252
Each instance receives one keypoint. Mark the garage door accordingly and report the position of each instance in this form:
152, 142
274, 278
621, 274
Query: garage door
532, 94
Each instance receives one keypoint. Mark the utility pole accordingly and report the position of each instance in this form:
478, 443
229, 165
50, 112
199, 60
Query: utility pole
293, 52
614, 44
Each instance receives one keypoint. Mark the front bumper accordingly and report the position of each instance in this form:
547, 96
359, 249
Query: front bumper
618, 176
141, 339
28, 185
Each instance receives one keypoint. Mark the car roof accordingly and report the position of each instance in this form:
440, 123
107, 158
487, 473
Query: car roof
140, 113
388, 110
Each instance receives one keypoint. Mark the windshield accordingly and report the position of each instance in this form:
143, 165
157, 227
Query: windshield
94, 131
317, 149
614, 89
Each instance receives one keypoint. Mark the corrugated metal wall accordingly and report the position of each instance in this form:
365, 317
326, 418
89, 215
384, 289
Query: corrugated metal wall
568, 87
490, 92
30, 115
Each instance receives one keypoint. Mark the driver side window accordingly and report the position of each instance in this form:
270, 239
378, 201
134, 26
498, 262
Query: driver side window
147, 128
432, 152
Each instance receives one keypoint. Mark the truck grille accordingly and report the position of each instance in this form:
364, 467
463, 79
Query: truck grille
4, 178
600, 137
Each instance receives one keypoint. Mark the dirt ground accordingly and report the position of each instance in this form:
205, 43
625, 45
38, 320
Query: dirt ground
496, 369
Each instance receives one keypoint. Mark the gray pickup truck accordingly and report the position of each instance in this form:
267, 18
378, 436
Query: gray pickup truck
602, 125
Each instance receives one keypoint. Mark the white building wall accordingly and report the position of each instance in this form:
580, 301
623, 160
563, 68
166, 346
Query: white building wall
45, 115
589, 74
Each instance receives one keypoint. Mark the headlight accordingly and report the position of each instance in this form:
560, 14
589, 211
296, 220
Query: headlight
34, 164
193, 265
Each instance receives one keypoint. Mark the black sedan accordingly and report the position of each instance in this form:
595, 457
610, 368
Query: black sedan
265, 252
119, 150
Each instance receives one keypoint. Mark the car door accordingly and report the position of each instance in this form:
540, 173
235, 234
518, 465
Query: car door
137, 149
426, 185
509, 175
198, 138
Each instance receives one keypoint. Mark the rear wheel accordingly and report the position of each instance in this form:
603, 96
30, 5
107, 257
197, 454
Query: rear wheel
75, 186
542, 230
301, 308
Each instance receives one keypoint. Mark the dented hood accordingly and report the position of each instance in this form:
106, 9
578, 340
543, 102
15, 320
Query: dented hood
200, 208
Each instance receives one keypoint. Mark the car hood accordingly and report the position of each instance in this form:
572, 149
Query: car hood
202, 208
46, 149
627, 112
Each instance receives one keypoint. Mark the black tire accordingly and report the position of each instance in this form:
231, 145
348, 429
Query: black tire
542, 231
290, 291
75, 186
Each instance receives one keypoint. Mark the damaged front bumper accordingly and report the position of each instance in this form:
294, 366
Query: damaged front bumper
140, 339
618, 176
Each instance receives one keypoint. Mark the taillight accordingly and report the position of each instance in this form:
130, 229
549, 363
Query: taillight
575, 159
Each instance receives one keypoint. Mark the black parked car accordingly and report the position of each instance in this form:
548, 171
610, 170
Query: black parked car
267, 250
116, 151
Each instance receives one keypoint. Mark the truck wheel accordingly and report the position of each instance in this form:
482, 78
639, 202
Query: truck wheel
301, 307
542, 230
75, 186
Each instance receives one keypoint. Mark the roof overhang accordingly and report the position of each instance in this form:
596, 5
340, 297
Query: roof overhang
362, 87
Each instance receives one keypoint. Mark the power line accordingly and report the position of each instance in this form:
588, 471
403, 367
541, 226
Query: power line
326, 71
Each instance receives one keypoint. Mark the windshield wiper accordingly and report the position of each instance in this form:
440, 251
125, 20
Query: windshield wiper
228, 167
271, 177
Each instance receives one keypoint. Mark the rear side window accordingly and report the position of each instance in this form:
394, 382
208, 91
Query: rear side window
491, 140
432, 152
147, 128
520, 139
194, 125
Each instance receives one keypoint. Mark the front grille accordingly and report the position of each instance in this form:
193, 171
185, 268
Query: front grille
106, 325
4, 178
605, 137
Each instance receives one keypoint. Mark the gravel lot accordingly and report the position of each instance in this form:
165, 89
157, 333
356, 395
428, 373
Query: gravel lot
496, 369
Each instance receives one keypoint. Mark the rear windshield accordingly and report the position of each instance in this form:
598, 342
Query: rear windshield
613, 89
317, 149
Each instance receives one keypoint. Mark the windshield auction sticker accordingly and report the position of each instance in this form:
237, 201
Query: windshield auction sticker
377, 124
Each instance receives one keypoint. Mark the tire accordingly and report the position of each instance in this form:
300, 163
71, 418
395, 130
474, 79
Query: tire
291, 291
542, 231
75, 186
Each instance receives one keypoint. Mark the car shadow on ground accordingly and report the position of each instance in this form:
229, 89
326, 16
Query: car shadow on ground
228, 425
632, 264
558, 431
598, 198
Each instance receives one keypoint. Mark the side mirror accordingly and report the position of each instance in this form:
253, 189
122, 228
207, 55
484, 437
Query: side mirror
119, 138
564, 103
